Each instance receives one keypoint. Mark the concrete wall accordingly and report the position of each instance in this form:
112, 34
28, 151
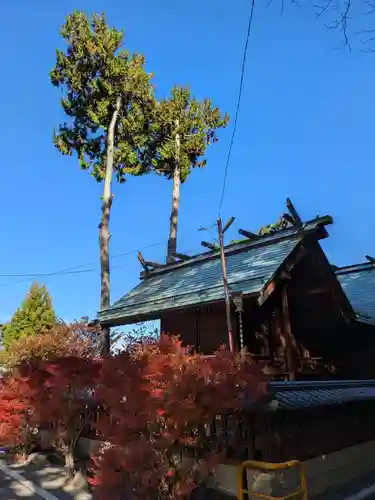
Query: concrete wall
339, 467
322, 472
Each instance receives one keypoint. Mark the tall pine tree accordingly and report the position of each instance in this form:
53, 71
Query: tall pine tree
185, 128
107, 96
35, 315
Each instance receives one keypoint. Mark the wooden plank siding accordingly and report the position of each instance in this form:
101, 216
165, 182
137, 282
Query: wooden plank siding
203, 328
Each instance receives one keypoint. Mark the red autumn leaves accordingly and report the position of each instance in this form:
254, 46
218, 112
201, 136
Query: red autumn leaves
156, 402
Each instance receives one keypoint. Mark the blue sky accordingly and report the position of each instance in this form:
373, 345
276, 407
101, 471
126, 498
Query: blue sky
305, 131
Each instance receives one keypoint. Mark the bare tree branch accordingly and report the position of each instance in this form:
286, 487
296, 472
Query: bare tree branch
323, 8
345, 16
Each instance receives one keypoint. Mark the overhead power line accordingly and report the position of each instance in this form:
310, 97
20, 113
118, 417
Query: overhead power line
249, 26
78, 269
28, 277
41, 275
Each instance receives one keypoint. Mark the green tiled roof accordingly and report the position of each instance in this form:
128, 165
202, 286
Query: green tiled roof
296, 395
250, 265
358, 283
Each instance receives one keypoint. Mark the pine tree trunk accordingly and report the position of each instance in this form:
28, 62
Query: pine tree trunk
104, 231
172, 240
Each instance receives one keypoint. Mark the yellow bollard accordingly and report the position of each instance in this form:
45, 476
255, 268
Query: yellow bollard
269, 467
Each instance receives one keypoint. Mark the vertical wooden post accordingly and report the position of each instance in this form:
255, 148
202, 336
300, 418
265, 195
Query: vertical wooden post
225, 283
198, 328
288, 336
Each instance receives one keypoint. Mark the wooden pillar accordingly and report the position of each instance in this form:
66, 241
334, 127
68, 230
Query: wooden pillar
198, 329
272, 335
275, 335
288, 336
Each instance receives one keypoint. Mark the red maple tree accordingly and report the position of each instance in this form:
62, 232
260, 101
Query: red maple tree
17, 418
157, 401
62, 394
41, 372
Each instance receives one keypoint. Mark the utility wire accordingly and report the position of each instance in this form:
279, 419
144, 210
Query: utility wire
78, 269
249, 26
40, 275
28, 277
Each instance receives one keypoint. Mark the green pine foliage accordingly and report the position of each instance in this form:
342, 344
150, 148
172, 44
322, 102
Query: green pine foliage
183, 129
93, 72
108, 100
35, 315
196, 122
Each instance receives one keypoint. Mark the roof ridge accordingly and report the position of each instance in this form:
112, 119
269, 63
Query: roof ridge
264, 240
228, 250
299, 385
363, 266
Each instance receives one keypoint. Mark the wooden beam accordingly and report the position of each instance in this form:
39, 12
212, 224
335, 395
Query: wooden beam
288, 336
248, 234
146, 264
283, 275
293, 212
228, 224
181, 256
153, 264
211, 246
309, 358
143, 262
288, 218
267, 291
271, 287
311, 291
